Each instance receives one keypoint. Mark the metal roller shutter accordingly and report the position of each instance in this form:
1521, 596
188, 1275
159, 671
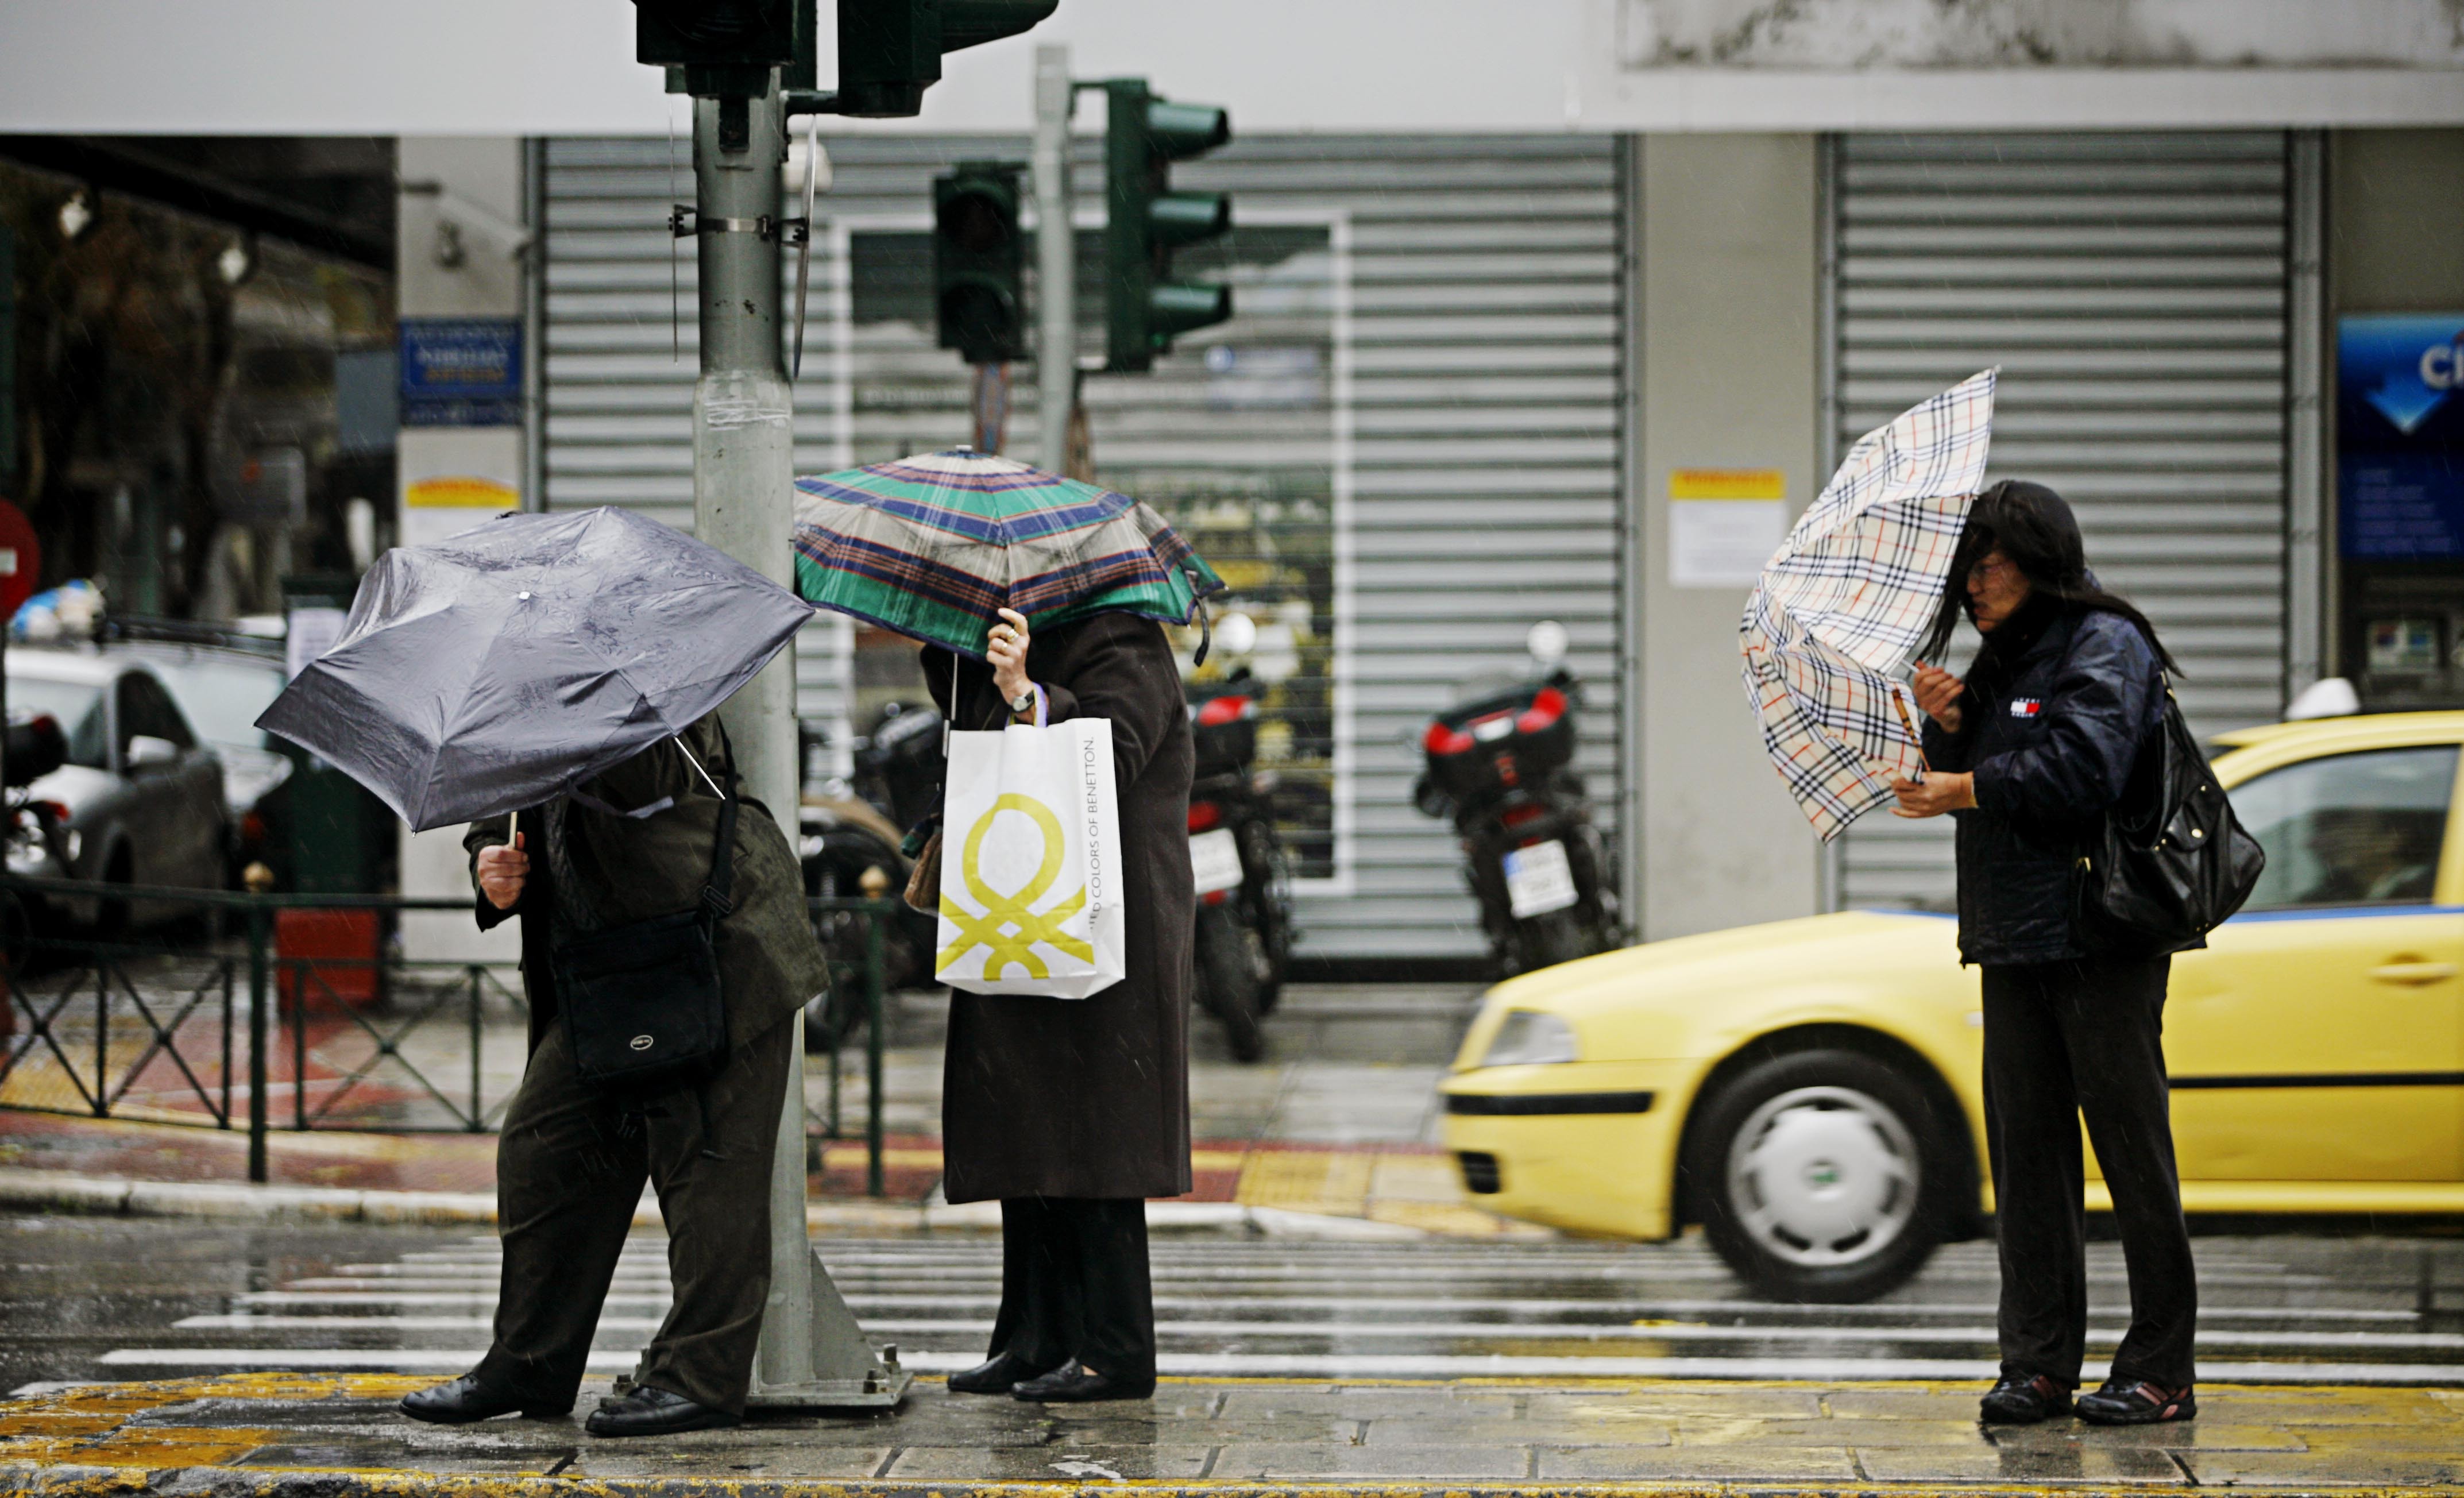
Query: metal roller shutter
2133, 289
1423, 367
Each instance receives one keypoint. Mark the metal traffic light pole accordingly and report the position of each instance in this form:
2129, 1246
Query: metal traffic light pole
727, 54
1056, 261
813, 1354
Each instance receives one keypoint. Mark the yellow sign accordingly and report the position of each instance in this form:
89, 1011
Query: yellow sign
461, 491
1009, 929
1727, 483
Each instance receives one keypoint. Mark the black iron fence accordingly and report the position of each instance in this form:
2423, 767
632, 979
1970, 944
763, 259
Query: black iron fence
269, 1012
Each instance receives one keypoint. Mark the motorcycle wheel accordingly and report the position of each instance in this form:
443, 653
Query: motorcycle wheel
1547, 941
1227, 987
1269, 937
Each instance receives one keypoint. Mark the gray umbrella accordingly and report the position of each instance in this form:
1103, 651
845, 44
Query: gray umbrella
488, 673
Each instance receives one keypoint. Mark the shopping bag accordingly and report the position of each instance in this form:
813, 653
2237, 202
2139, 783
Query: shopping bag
1031, 886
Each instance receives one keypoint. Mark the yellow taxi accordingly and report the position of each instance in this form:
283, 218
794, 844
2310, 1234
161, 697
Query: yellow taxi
1809, 1091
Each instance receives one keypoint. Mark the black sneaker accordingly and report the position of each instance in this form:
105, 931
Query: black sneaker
2135, 1401
2024, 1401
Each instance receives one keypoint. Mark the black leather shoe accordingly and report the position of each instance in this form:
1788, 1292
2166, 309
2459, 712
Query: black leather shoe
2135, 1401
1004, 1373
655, 1412
466, 1399
2024, 1401
1074, 1384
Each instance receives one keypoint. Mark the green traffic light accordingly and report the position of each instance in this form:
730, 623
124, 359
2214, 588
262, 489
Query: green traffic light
1184, 218
1178, 307
1146, 221
971, 23
890, 51
1177, 130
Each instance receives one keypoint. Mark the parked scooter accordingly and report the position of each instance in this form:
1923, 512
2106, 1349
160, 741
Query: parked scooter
1500, 765
1244, 935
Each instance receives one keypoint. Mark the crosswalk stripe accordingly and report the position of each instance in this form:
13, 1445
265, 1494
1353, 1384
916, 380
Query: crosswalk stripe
1390, 1310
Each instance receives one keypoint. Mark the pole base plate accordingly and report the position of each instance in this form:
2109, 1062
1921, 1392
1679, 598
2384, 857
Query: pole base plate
884, 1390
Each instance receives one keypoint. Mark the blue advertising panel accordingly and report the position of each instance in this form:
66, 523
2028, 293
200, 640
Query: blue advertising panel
461, 371
2400, 437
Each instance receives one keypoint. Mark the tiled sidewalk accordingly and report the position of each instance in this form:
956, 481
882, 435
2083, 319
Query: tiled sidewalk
274, 1434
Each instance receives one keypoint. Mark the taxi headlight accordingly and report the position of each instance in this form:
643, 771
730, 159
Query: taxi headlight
1530, 1038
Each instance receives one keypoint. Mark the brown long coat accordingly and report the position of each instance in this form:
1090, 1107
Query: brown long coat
1087, 1097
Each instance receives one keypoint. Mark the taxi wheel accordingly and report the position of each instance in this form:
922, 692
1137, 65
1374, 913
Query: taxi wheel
1820, 1175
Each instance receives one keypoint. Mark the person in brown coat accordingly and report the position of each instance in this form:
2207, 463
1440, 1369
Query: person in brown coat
1070, 1112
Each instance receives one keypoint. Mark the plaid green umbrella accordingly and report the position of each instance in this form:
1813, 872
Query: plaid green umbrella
931, 546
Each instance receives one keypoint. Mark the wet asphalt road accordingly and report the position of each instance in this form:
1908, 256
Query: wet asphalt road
112, 1298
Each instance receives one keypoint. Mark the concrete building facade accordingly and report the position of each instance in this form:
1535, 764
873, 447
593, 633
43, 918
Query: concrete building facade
1501, 294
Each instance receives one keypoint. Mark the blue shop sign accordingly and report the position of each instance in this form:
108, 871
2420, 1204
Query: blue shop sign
461, 371
2400, 437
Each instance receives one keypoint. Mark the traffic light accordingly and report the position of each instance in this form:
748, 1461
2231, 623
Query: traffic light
890, 51
978, 259
1145, 221
726, 47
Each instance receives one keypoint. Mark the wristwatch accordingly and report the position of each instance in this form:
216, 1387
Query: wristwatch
1023, 703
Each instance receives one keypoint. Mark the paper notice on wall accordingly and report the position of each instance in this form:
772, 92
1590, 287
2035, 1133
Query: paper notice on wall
1723, 523
453, 478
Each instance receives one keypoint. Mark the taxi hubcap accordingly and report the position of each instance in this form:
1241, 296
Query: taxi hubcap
1824, 1177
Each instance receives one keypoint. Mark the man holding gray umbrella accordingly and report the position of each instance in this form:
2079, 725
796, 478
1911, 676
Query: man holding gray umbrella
554, 678
571, 1160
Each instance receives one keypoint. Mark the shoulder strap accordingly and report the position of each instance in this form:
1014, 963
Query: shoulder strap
716, 899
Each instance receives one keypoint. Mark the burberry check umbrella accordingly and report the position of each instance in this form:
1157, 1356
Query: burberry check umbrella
1847, 596
932, 545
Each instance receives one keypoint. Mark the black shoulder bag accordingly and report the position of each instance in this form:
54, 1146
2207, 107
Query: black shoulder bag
641, 1001
2171, 862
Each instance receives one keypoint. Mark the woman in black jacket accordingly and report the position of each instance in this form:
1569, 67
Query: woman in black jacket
2029, 753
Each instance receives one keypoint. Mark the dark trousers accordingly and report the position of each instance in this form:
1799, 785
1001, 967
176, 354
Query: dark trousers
570, 1166
1074, 1283
2066, 1039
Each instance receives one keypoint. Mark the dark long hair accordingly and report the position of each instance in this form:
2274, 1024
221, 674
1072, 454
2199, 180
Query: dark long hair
2034, 529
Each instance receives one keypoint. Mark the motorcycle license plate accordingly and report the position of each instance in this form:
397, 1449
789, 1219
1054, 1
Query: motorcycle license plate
1215, 860
1538, 879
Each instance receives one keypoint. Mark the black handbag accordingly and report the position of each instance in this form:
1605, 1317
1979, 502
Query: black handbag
641, 1001
2171, 862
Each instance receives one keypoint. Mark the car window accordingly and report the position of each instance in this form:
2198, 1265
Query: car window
77, 706
2350, 828
146, 708
223, 697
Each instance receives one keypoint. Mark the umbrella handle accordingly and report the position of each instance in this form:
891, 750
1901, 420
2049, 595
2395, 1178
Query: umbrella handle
1924, 767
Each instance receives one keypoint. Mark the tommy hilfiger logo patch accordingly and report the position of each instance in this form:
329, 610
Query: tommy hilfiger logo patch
2026, 706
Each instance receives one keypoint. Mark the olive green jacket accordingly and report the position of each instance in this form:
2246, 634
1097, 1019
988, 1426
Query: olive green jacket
640, 867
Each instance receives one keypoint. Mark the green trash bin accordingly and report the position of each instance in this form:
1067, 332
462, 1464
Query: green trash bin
342, 837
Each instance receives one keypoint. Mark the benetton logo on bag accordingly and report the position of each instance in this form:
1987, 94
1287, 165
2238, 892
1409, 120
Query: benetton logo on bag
1008, 928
